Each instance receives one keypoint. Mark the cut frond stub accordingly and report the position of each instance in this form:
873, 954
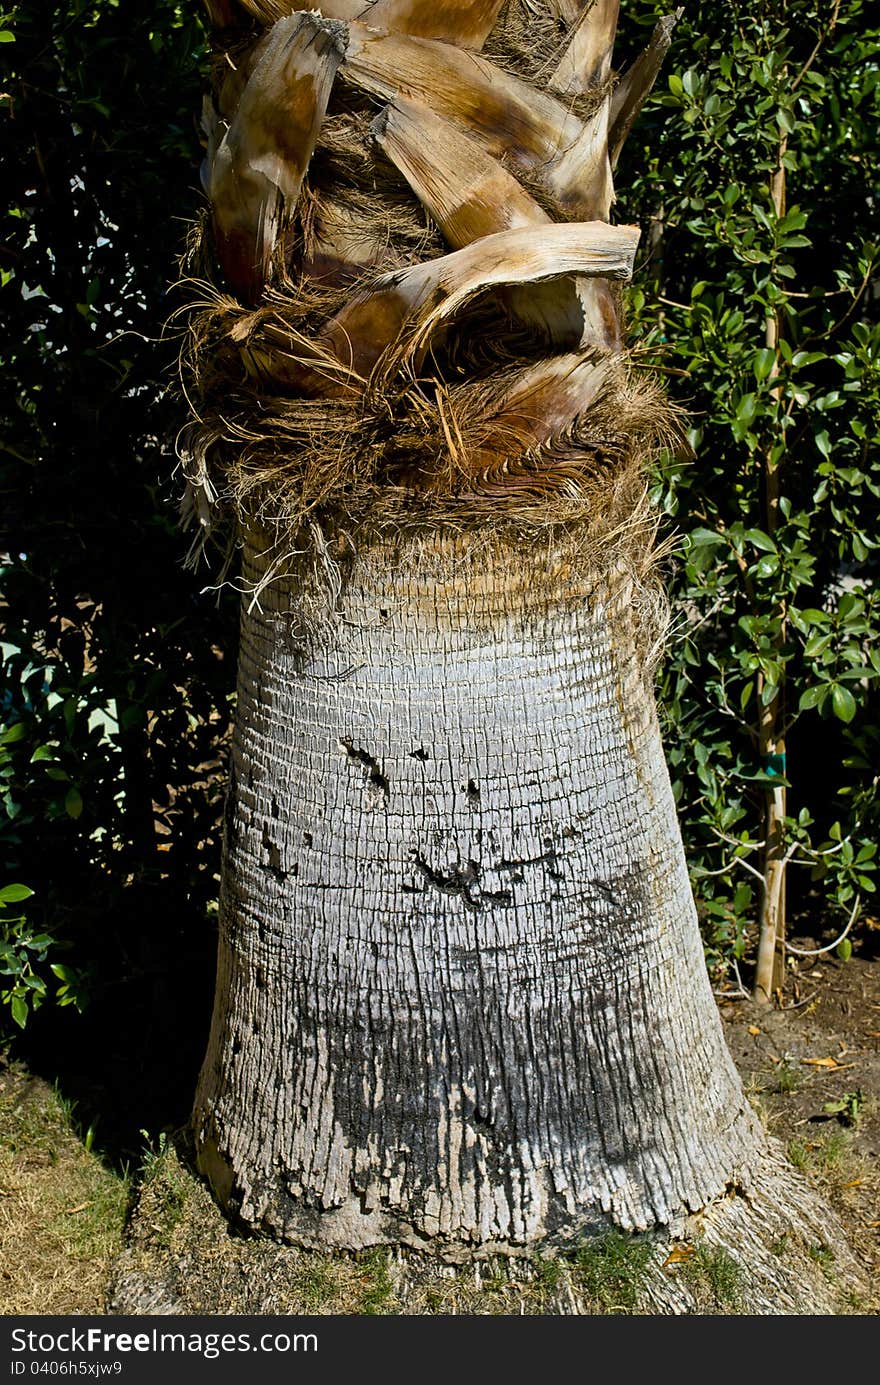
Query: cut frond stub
635, 85
258, 166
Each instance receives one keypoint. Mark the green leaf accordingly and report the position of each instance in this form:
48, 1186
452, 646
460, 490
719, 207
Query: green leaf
73, 803
13, 734
69, 713
843, 703
785, 120
763, 362
700, 538
14, 894
794, 220
768, 565
817, 644
19, 1009
761, 540
813, 697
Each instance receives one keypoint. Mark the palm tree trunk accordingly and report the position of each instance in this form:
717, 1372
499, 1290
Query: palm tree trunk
461, 991
461, 1000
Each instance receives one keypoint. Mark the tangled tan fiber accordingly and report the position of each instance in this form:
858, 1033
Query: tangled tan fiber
454, 430
407, 453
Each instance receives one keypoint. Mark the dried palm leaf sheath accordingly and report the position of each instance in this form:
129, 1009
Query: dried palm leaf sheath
257, 169
586, 61
467, 192
464, 22
546, 398
337, 247
506, 114
568, 10
420, 328
470, 194
581, 179
423, 298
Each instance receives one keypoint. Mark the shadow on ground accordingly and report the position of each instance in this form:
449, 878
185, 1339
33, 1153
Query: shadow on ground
130, 1063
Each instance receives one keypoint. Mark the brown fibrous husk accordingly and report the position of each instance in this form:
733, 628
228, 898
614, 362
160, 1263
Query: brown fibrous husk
419, 448
401, 451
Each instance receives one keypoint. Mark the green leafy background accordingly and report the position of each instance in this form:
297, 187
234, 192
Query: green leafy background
795, 611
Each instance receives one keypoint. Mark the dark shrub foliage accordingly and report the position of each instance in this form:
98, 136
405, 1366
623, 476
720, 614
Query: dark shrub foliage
778, 609
117, 670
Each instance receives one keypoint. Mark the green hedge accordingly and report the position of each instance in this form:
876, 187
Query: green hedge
117, 671
774, 588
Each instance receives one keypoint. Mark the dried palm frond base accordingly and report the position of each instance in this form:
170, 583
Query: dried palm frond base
420, 331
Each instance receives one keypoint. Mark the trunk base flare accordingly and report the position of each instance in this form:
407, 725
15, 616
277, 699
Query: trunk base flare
461, 993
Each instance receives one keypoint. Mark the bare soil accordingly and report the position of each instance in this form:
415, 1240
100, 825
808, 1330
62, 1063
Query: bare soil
812, 1069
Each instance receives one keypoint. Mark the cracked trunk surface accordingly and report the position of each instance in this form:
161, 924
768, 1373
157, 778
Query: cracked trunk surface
461, 992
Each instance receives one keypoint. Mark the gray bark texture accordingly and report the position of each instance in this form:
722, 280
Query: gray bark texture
461, 996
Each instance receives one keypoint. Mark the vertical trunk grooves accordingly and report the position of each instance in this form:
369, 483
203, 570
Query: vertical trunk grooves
472, 1007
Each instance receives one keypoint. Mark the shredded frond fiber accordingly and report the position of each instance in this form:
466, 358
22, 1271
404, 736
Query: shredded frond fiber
397, 320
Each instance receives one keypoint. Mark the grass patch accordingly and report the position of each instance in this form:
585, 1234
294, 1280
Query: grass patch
798, 1155
62, 1213
715, 1278
831, 1155
610, 1271
787, 1079
825, 1258
822, 1255
833, 1151
316, 1283
378, 1291
549, 1275
165, 1188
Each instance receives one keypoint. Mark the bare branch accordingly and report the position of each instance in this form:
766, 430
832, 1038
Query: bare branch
829, 947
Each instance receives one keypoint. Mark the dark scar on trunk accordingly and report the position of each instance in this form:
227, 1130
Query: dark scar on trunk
376, 779
463, 882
